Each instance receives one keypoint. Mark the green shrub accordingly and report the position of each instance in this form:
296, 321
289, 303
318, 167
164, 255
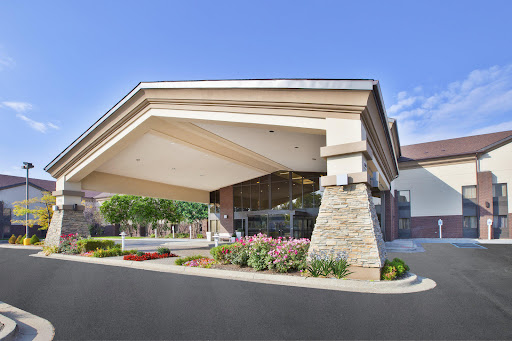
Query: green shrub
19, 240
152, 235
12, 240
140, 253
182, 235
182, 260
393, 269
220, 253
86, 245
101, 253
163, 250
199, 236
34, 239
239, 254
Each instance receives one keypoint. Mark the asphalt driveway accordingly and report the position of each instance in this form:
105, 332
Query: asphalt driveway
472, 300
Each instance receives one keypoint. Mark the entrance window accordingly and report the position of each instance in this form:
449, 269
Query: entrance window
215, 202
404, 223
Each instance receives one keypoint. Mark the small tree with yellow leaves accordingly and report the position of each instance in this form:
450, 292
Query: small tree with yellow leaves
41, 214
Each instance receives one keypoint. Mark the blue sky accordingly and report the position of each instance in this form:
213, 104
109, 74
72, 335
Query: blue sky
445, 67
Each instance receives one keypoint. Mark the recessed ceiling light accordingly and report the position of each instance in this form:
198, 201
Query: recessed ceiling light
173, 168
201, 174
313, 159
137, 160
270, 131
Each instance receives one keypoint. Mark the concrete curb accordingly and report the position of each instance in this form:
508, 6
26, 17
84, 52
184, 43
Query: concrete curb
8, 328
411, 283
27, 325
22, 247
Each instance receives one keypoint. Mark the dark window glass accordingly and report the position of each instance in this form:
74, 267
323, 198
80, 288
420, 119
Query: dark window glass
255, 197
280, 195
312, 194
246, 198
296, 191
237, 198
264, 202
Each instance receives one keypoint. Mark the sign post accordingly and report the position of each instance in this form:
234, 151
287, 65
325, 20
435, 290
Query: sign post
123, 234
489, 225
172, 231
440, 223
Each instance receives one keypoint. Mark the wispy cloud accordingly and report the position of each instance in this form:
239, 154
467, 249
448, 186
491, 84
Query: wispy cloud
21, 108
5, 62
480, 103
18, 106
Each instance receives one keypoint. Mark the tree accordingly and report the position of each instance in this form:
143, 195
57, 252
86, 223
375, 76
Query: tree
192, 212
116, 211
41, 214
130, 211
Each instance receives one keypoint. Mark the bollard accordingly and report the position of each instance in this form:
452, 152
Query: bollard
489, 225
190, 231
123, 234
172, 231
440, 223
216, 239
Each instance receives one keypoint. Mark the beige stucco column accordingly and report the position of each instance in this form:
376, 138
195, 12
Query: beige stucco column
68, 217
347, 221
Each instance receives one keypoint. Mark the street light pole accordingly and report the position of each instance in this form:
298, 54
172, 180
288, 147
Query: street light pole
27, 166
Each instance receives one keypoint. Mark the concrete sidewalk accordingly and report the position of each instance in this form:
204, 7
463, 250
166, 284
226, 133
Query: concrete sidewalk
21, 325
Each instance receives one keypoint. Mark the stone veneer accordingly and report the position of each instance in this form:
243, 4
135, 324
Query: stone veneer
66, 222
347, 221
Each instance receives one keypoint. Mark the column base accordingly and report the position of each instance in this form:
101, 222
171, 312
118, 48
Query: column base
347, 222
369, 274
66, 222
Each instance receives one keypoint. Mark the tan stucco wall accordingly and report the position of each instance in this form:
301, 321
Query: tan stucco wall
436, 190
499, 162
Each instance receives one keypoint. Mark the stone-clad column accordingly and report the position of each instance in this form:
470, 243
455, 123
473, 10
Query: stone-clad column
69, 214
347, 222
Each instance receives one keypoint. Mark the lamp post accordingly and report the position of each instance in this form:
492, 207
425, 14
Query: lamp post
27, 166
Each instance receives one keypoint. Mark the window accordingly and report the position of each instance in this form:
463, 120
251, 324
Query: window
404, 223
499, 222
404, 210
469, 192
404, 196
215, 202
499, 190
470, 223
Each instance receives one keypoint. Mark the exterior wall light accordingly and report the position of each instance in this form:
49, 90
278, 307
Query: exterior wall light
225, 216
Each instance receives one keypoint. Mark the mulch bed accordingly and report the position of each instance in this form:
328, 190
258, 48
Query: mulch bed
233, 267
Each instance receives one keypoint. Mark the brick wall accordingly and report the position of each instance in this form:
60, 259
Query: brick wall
427, 227
484, 194
226, 208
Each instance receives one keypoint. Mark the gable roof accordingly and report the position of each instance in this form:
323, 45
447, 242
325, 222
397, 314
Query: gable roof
453, 147
8, 181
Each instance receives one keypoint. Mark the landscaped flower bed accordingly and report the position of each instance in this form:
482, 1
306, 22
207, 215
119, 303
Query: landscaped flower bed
200, 263
139, 257
265, 253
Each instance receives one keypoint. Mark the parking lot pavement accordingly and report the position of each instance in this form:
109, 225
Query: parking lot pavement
472, 300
